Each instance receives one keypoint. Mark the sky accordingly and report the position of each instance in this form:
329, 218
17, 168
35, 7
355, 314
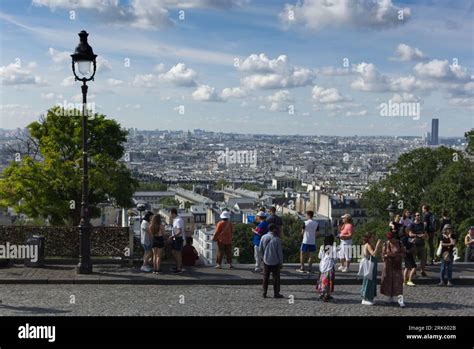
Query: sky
308, 67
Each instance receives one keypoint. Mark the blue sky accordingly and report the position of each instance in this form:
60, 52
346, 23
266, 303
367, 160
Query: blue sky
279, 67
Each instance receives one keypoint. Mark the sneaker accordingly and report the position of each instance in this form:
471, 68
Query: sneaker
218, 266
449, 284
299, 270
365, 302
310, 271
278, 296
441, 283
344, 270
145, 269
257, 270
410, 283
400, 301
231, 266
340, 268
177, 271
423, 274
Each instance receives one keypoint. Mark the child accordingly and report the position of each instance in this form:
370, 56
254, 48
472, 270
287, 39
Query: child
190, 255
327, 254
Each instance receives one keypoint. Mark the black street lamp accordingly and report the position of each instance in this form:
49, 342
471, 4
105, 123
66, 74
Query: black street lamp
84, 60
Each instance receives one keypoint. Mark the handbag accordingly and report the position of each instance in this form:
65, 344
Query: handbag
366, 267
439, 250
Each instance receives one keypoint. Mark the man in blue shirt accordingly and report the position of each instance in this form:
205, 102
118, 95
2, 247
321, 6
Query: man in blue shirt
258, 232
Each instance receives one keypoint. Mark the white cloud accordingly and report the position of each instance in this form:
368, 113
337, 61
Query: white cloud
13, 74
233, 92
145, 80
260, 72
317, 14
328, 95
405, 98
333, 71
371, 80
180, 75
467, 102
160, 68
206, 93
280, 100
69, 81
441, 70
357, 113
51, 95
142, 14
114, 82
59, 56
405, 53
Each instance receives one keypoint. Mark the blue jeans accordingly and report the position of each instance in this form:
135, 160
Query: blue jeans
449, 266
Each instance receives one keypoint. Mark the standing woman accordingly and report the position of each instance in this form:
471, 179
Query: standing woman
392, 274
223, 236
371, 252
345, 234
448, 241
158, 242
406, 220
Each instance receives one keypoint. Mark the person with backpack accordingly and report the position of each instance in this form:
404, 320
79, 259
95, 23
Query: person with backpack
430, 225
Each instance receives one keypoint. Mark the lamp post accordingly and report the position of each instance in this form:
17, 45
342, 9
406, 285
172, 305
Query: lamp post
84, 60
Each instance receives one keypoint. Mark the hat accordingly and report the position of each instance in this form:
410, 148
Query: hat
261, 214
225, 215
447, 226
347, 215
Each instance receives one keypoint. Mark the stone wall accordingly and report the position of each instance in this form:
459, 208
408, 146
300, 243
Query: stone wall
64, 241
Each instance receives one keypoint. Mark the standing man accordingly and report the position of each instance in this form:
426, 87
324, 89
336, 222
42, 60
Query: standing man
429, 226
274, 219
145, 240
418, 234
308, 246
272, 251
177, 239
258, 232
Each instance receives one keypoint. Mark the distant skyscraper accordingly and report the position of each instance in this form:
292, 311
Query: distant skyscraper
434, 131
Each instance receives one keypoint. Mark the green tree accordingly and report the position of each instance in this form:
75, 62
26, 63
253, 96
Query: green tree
470, 141
47, 180
242, 240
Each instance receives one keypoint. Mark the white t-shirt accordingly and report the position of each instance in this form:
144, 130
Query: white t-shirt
310, 228
178, 223
144, 233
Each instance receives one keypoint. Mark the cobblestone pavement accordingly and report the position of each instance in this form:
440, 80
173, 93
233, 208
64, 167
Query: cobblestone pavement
222, 300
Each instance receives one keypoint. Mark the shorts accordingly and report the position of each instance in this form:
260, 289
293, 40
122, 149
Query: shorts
146, 247
177, 244
308, 248
158, 242
410, 261
345, 251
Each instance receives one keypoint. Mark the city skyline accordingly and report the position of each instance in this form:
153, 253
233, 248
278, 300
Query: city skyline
246, 66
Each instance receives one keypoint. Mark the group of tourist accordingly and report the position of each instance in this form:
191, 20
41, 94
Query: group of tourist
153, 240
405, 243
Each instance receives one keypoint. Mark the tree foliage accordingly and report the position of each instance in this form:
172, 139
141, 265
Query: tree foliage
47, 181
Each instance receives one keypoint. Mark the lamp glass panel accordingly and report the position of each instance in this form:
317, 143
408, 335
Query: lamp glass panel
84, 67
